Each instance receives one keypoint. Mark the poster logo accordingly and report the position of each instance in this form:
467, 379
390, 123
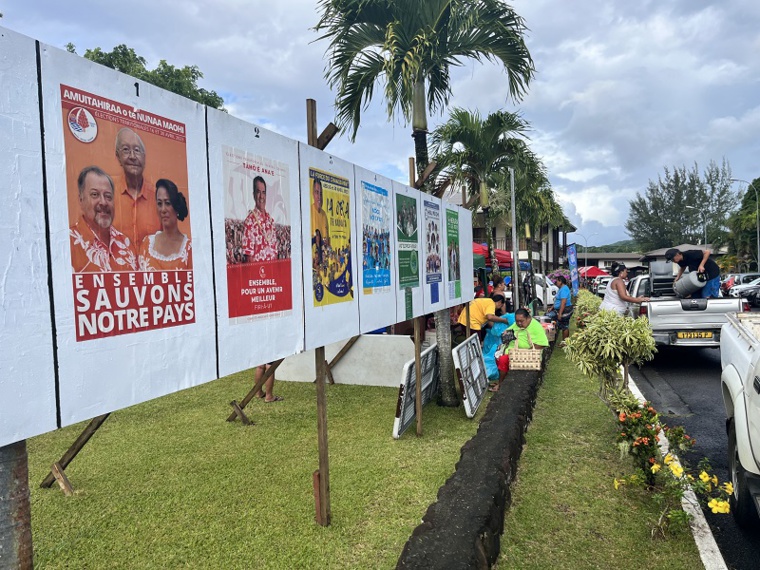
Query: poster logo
82, 125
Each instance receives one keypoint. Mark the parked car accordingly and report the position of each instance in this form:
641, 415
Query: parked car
743, 290
601, 288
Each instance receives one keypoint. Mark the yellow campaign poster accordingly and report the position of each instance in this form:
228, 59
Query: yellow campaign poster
332, 279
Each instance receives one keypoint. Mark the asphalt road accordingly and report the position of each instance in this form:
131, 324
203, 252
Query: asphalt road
684, 386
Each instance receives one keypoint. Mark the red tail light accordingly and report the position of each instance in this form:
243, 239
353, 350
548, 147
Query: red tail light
642, 310
745, 305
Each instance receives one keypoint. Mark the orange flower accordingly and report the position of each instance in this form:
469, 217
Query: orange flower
621, 417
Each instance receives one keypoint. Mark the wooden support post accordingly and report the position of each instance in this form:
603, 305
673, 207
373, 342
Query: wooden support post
324, 467
317, 501
311, 122
16, 549
341, 353
420, 182
256, 387
75, 448
63, 481
418, 373
240, 413
326, 136
411, 171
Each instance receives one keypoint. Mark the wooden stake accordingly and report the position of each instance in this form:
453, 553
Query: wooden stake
63, 481
256, 387
75, 448
317, 501
411, 171
341, 353
418, 373
240, 413
425, 175
324, 464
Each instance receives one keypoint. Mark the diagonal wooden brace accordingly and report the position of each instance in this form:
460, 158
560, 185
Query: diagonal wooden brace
256, 387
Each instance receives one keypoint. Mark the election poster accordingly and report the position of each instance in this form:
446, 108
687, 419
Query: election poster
330, 218
407, 234
433, 247
452, 254
129, 217
376, 239
257, 230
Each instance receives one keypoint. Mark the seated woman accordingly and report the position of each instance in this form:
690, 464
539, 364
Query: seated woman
616, 298
168, 248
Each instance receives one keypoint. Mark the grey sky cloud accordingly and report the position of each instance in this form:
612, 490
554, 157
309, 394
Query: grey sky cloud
622, 90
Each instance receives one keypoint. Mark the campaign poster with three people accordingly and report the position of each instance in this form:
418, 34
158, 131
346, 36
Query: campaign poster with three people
330, 233
129, 217
257, 227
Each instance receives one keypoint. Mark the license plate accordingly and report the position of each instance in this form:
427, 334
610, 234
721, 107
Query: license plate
695, 334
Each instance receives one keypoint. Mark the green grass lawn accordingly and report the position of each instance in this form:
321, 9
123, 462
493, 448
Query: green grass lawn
171, 484
565, 511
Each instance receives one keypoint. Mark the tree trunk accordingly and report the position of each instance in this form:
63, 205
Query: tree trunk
448, 394
489, 241
15, 510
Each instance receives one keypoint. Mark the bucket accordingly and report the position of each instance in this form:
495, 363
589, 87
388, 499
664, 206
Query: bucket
689, 283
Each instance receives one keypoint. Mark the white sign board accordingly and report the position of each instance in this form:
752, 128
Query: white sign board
27, 377
376, 247
452, 260
433, 252
255, 203
471, 371
465, 248
408, 207
406, 410
329, 233
130, 237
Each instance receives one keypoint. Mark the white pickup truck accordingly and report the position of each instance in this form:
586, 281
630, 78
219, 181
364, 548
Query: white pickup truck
676, 321
740, 383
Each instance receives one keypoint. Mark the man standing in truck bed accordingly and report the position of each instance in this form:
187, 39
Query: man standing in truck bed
697, 260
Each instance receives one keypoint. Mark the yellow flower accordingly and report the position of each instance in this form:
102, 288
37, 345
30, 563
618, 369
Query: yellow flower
617, 484
714, 479
728, 487
656, 467
668, 459
704, 477
676, 469
718, 506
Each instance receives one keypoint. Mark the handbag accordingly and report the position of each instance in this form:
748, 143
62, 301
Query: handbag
525, 358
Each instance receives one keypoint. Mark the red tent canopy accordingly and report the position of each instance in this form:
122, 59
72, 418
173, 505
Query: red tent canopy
502, 256
591, 271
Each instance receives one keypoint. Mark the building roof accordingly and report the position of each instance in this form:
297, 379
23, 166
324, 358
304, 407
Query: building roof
660, 253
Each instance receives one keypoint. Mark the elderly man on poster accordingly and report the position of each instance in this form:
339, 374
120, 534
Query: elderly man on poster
96, 245
259, 232
135, 196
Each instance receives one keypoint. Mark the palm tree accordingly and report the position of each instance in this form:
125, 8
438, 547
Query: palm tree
409, 46
474, 148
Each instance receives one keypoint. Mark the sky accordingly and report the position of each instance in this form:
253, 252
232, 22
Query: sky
622, 89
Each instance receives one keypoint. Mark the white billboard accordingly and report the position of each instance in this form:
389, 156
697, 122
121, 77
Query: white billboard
27, 376
329, 230
433, 253
130, 237
256, 209
376, 247
407, 207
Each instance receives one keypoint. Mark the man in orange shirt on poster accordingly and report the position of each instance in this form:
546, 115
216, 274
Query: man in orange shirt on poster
135, 195
96, 245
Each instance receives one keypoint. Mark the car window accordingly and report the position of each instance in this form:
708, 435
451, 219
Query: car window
748, 278
754, 283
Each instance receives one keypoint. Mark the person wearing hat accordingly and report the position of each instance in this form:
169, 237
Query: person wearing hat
616, 297
697, 260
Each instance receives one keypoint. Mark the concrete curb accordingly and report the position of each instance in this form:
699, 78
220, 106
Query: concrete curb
703, 536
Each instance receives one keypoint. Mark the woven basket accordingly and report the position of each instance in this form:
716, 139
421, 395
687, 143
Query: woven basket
525, 358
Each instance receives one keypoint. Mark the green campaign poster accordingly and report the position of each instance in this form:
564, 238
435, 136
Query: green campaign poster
408, 247
452, 251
